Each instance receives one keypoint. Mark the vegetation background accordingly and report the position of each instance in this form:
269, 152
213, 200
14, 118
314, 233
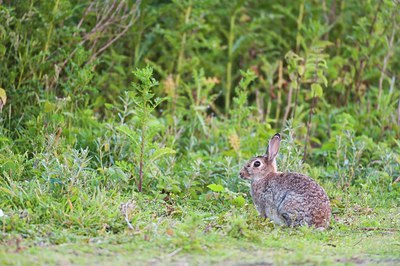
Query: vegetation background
124, 125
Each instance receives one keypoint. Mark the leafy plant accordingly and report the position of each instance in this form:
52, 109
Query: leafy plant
143, 130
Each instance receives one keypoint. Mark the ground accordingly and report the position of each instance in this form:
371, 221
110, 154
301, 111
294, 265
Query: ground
347, 242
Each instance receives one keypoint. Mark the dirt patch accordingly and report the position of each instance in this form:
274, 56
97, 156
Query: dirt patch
368, 261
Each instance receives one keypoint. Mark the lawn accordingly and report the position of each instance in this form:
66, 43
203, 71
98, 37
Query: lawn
357, 236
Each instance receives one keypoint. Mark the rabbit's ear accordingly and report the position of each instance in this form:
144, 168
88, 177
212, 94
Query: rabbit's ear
273, 147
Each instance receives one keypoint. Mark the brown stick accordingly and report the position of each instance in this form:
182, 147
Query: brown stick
88, 9
110, 41
105, 18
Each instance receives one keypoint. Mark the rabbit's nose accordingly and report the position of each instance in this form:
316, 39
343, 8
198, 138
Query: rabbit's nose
242, 174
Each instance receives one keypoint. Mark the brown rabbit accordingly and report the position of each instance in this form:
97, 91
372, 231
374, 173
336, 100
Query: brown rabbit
290, 199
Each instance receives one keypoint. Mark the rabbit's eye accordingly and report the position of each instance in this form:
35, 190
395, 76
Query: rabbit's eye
257, 163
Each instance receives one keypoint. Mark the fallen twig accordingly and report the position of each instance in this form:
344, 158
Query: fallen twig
357, 242
173, 253
126, 209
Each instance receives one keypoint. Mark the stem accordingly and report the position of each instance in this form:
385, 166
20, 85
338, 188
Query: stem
314, 102
278, 107
180, 59
279, 100
385, 62
260, 106
231, 37
325, 12
269, 102
299, 25
296, 97
142, 144
198, 90
140, 29
288, 105
141, 161
364, 60
49, 33
398, 113
137, 50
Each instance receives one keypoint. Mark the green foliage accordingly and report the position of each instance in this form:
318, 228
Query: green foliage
81, 136
143, 130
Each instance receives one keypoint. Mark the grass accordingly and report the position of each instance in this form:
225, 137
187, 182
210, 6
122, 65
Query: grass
292, 248
233, 236
276, 247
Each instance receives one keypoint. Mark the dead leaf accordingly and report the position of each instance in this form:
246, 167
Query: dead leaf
3, 98
170, 232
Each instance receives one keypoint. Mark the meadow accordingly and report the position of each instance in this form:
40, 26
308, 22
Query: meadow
124, 125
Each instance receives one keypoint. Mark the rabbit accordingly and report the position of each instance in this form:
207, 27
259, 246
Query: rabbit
288, 199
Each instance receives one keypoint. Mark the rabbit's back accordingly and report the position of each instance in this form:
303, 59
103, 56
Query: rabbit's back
291, 199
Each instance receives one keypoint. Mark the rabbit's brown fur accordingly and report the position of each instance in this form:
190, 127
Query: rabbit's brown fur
290, 199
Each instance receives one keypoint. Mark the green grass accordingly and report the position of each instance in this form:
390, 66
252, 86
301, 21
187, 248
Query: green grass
233, 237
277, 247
